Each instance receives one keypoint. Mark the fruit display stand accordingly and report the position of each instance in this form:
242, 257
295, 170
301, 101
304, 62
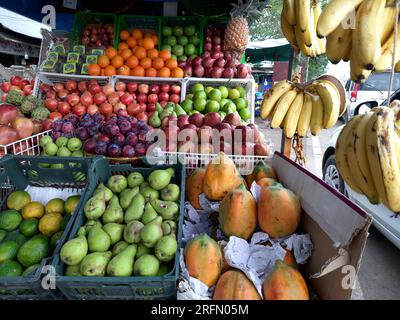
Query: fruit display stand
135, 287
18, 173
144, 23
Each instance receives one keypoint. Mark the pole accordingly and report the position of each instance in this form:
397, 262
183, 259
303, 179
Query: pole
396, 30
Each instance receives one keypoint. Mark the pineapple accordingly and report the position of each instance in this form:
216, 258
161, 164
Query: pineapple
237, 30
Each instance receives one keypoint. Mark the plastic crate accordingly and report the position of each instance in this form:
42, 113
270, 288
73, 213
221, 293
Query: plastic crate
144, 23
121, 288
248, 84
17, 173
83, 18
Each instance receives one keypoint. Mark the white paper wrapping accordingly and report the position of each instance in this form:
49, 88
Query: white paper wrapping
44, 195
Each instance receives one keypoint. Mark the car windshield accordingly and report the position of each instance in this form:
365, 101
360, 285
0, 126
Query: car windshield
380, 82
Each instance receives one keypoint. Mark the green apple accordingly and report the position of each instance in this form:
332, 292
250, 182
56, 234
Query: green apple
177, 50
190, 49
187, 105
245, 114
234, 94
51, 149
167, 31
189, 30
240, 103
242, 91
212, 106
200, 95
208, 90
199, 104
183, 40
197, 87
215, 95
178, 31
224, 92
171, 41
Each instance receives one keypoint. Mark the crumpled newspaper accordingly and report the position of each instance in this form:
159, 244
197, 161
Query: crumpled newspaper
208, 205
44, 194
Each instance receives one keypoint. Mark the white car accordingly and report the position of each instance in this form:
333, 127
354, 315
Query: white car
384, 220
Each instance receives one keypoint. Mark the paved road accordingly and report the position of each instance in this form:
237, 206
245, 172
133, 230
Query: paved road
379, 275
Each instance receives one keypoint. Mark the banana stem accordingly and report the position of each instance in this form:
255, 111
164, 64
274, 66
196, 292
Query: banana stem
396, 30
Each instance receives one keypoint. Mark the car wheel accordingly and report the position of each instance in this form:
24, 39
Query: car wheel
332, 176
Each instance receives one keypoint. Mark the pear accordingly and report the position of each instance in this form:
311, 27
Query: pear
92, 223
159, 108
73, 271
98, 240
146, 265
168, 210
162, 270
166, 248
115, 231
136, 209
126, 196
179, 110
166, 112
159, 179
169, 227
118, 247
155, 120
73, 251
94, 208
122, 264
149, 214
148, 192
117, 183
132, 231
82, 231
151, 233
103, 193
135, 179
170, 192
114, 212
95, 264
142, 250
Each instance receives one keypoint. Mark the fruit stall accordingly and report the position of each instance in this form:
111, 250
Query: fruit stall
132, 167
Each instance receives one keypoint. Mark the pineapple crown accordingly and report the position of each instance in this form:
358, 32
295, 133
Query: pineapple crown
252, 9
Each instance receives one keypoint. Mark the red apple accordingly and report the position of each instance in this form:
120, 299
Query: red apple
132, 87
175, 89
152, 98
163, 96
143, 88
154, 88
120, 86
165, 87
133, 109
174, 98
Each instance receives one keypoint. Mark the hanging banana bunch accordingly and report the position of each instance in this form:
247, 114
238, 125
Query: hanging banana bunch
299, 20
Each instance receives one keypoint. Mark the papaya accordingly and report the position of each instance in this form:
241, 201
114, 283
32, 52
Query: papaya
203, 259
221, 176
234, 285
238, 213
261, 170
266, 182
194, 187
279, 211
285, 283
290, 260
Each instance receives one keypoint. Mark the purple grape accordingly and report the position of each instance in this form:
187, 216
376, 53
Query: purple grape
101, 148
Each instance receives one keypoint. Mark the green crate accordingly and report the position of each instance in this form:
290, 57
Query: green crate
183, 21
144, 23
83, 18
121, 288
16, 173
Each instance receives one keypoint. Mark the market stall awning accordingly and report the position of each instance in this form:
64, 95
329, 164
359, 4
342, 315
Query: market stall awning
268, 50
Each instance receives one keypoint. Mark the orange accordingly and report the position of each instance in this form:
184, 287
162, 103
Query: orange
122, 46
124, 71
124, 35
158, 63
103, 61
151, 72
140, 53
110, 71
148, 35
131, 42
165, 54
177, 73
146, 63
137, 34
152, 54
155, 39
140, 42
132, 61
171, 63
102, 72
117, 61
138, 71
94, 69
126, 53
111, 52
148, 43
164, 72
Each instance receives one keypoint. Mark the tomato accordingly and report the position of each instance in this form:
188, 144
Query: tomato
133, 109
64, 108
79, 110
106, 109
92, 109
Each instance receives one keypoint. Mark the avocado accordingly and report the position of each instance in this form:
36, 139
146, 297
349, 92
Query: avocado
33, 251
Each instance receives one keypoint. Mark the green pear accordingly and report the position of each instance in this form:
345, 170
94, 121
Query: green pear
159, 179
94, 208
166, 248
73, 271
98, 240
170, 192
82, 231
122, 264
151, 233
159, 108
73, 251
163, 270
169, 227
95, 264
117, 183
135, 179
135, 209
168, 210
126, 196
103, 193
148, 192
115, 231
146, 265
155, 120
118, 247
166, 112
114, 212
132, 231
92, 223
179, 110
149, 213
142, 250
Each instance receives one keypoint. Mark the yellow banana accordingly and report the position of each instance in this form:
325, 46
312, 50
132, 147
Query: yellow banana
303, 9
272, 96
321, 42
333, 14
307, 51
331, 101
386, 59
288, 30
317, 117
293, 115
357, 72
282, 106
338, 45
289, 8
305, 116
388, 21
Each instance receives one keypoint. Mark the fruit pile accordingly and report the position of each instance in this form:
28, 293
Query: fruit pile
131, 228
30, 231
277, 213
23, 86
97, 35
297, 109
61, 147
182, 41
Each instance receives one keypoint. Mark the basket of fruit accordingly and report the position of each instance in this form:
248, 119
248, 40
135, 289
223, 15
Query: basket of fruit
39, 200
124, 242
